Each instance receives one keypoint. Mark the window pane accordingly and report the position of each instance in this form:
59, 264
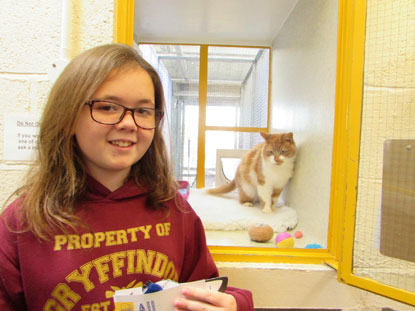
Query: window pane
178, 67
237, 87
228, 144
385, 205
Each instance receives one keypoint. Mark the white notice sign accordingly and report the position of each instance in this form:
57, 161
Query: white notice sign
20, 136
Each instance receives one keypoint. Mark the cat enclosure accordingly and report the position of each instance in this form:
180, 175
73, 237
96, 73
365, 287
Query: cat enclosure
341, 77
220, 97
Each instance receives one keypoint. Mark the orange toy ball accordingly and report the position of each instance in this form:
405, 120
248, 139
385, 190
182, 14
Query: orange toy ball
298, 234
260, 232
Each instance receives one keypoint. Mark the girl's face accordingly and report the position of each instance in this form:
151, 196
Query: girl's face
109, 151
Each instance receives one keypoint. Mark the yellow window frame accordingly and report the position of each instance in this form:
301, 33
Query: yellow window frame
353, 16
346, 141
203, 75
124, 28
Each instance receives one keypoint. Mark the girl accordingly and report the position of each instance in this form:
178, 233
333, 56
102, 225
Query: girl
100, 210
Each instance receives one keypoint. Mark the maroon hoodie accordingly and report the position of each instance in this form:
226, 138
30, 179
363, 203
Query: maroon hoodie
126, 246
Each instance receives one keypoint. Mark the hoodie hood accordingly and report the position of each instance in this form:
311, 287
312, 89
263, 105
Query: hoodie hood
97, 191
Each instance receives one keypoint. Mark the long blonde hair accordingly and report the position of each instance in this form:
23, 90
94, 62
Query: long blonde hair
57, 179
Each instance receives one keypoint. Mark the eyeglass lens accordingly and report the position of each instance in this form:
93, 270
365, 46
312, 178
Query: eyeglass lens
112, 113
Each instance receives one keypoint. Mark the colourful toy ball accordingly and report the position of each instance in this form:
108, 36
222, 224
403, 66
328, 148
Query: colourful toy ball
313, 246
260, 232
298, 234
284, 240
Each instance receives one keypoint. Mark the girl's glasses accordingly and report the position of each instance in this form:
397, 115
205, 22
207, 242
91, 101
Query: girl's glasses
110, 113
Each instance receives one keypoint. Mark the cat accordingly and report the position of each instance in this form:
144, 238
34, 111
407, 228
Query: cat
263, 171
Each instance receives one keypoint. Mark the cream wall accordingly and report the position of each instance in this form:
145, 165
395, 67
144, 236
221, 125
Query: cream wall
30, 33
304, 57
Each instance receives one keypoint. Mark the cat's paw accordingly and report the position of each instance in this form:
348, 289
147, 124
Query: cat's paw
267, 210
288, 219
249, 204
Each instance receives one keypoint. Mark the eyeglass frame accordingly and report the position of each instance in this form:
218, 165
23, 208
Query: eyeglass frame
157, 113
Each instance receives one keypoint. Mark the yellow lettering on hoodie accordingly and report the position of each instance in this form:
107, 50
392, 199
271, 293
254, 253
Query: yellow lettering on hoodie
118, 262
102, 268
82, 277
67, 297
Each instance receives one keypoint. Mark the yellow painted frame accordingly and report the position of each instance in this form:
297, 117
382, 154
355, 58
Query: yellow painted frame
344, 185
203, 69
346, 141
203, 128
124, 22
124, 29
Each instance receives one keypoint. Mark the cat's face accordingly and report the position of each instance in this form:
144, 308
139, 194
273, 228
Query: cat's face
279, 147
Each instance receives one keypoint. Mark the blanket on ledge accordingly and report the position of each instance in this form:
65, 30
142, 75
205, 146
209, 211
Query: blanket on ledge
224, 212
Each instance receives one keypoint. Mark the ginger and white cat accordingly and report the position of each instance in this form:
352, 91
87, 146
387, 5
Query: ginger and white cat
264, 171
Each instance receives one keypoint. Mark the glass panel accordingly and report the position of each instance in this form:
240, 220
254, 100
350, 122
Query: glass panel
178, 67
226, 140
384, 218
237, 87
226, 220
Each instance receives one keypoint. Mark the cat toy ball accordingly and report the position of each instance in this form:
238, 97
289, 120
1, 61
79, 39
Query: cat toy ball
260, 232
298, 234
284, 240
314, 246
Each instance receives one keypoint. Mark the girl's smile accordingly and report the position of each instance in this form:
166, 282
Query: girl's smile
121, 143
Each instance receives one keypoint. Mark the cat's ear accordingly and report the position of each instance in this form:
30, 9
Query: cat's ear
289, 137
264, 135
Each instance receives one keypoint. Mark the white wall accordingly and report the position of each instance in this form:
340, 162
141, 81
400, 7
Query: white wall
30, 33
303, 95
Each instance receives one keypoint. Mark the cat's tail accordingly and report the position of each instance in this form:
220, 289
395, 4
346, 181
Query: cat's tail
222, 189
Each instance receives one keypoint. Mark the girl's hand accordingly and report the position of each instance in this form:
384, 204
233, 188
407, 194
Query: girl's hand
197, 299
